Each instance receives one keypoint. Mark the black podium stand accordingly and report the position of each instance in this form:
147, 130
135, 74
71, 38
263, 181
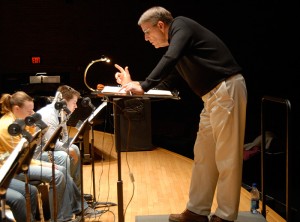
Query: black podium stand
111, 97
132, 116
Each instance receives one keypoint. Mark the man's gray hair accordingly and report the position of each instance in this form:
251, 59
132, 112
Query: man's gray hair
156, 14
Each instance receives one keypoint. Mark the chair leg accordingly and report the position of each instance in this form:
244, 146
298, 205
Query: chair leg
44, 199
40, 206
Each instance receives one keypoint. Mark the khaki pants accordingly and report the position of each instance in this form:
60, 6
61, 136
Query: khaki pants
218, 150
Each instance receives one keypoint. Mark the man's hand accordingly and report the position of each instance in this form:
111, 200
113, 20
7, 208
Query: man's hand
123, 76
133, 88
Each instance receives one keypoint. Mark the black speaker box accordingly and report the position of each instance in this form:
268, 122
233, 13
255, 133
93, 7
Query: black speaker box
132, 124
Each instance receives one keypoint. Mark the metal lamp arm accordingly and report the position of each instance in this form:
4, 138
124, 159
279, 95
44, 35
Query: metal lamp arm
103, 59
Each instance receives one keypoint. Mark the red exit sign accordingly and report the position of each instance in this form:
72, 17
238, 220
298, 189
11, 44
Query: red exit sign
35, 60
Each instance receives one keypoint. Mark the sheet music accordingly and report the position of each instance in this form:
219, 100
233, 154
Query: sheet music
47, 147
79, 130
112, 89
81, 125
96, 111
116, 89
10, 160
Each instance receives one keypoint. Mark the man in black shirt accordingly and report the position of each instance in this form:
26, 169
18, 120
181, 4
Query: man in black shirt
210, 70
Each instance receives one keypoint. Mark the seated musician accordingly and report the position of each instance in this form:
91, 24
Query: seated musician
18, 106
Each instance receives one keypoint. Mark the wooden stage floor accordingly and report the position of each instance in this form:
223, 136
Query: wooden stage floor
154, 182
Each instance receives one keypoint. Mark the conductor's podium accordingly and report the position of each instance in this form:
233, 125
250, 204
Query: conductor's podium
242, 217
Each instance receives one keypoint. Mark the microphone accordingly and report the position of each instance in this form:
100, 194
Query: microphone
57, 97
36, 119
41, 124
16, 127
87, 102
30, 120
62, 105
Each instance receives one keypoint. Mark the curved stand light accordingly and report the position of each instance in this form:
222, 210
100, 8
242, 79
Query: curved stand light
103, 59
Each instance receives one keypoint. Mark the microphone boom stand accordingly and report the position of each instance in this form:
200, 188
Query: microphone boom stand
81, 176
93, 162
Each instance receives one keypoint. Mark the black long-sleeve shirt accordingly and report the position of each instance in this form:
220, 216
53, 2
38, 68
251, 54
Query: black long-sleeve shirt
200, 57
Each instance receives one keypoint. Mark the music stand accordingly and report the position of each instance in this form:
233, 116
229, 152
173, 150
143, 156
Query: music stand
80, 132
114, 92
91, 122
78, 135
49, 146
96, 111
18, 161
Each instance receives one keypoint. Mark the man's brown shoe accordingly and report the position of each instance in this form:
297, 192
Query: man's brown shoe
187, 216
215, 218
